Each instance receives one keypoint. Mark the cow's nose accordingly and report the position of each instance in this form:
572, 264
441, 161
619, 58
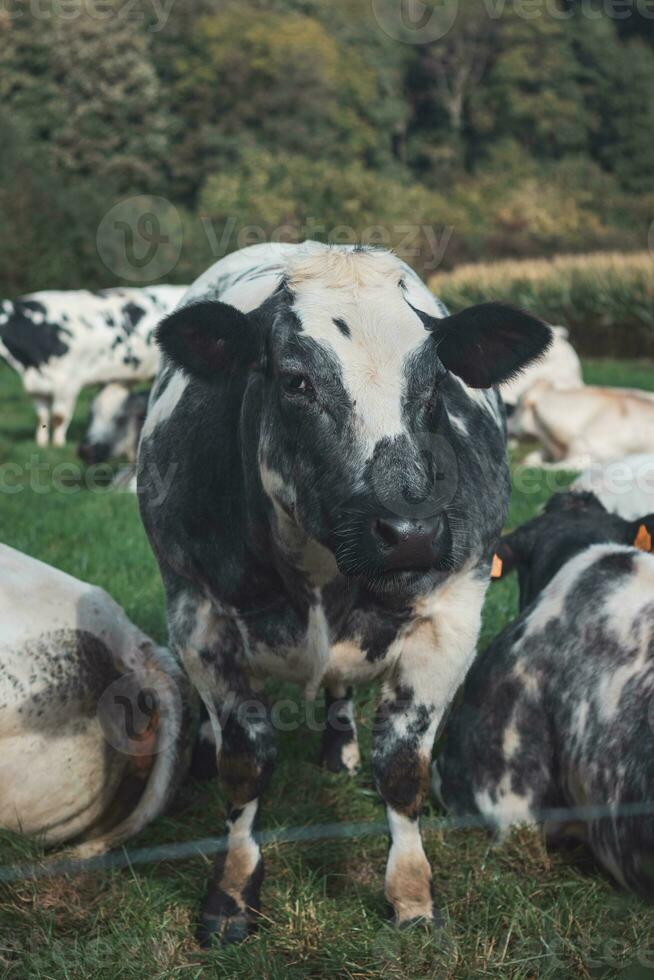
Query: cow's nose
93, 452
85, 452
411, 544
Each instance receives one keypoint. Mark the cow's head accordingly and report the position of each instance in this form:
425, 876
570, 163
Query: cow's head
570, 523
117, 417
368, 407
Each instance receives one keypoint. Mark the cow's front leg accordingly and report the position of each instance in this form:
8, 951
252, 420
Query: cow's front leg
340, 748
433, 657
405, 729
43, 407
245, 749
245, 761
63, 406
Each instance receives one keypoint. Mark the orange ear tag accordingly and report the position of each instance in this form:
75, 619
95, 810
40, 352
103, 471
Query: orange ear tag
643, 539
497, 567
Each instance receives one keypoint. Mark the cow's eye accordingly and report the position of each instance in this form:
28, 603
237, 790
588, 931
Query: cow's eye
297, 384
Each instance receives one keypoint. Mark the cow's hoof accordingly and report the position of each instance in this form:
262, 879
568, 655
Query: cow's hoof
228, 929
337, 756
434, 921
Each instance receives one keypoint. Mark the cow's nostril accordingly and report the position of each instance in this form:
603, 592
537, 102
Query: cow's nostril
386, 532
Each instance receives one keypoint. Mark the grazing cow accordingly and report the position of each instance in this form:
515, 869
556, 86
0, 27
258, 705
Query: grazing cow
560, 367
557, 712
340, 479
92, 713
114, 429
60, 342
578, 427
625, 486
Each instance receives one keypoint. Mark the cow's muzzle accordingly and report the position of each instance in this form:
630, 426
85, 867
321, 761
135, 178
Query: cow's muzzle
94, 452
403, 544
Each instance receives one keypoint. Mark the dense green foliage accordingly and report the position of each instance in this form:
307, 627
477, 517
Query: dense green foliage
525, 129
511, 913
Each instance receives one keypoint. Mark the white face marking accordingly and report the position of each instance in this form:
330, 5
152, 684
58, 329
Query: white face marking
363, 291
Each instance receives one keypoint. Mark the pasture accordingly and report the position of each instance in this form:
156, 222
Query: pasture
512, 911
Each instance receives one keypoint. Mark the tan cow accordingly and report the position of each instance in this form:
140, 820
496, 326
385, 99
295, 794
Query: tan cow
578, 427
92, 712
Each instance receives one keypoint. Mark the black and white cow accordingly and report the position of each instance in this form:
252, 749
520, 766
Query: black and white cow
61, 341
557, 712
340, 480
93, 714
115, 423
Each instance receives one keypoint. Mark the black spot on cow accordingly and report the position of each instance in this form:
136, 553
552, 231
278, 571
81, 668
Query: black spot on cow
32, 344
342, 326
132, 315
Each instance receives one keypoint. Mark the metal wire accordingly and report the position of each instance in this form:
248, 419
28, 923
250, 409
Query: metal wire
314, 832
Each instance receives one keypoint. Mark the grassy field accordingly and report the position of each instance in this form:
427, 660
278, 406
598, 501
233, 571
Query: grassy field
512, 911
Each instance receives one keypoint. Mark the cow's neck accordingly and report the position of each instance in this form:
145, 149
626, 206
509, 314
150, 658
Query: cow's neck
303, 553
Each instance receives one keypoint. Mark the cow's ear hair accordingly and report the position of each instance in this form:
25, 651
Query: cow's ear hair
491, 343
207, 339
642, 534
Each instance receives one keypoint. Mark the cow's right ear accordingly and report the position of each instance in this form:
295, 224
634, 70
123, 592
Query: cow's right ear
209, 338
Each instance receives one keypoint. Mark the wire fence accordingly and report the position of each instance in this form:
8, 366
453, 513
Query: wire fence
209, 846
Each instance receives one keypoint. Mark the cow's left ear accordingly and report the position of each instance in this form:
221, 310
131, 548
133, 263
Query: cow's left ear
491, 343
208, 338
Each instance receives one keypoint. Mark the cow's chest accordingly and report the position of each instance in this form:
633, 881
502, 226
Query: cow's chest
325, 641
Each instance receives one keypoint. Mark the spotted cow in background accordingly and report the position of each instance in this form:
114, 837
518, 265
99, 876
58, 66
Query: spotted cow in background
61, 341
557, 712
340, 480
93, 715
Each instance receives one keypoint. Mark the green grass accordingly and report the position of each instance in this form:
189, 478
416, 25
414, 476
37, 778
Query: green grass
513, 911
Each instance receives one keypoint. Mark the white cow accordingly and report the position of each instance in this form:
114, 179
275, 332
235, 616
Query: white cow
61, 341
92, 712
578, 427
560, 367
625, 486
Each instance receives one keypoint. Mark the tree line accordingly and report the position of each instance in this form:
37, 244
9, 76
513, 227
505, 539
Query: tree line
523, 129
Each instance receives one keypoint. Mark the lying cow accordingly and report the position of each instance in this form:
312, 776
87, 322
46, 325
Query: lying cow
625, 486
60, 342
340, 482
557, 713
92, 713
578, 427
560, 368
